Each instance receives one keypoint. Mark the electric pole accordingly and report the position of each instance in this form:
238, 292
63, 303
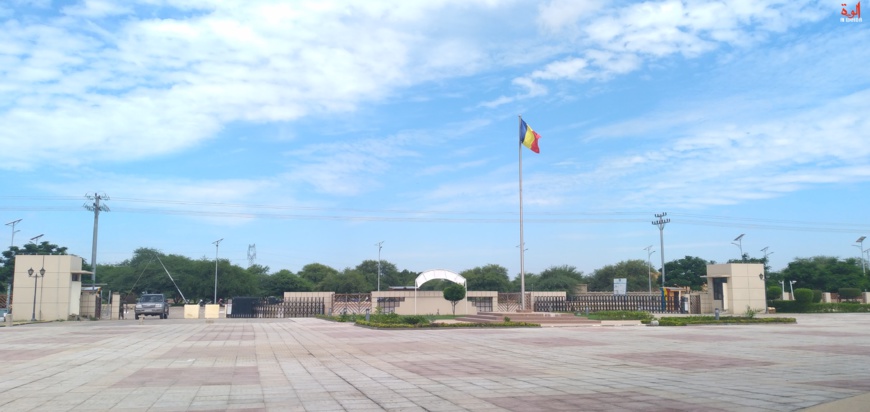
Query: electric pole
13, 223
217, 245
661, 222
96, 207
379, 245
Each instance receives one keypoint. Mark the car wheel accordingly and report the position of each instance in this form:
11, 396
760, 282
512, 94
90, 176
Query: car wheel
137, 317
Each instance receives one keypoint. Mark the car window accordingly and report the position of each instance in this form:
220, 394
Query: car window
152, 298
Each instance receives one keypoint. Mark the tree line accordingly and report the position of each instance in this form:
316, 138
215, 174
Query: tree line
151, 271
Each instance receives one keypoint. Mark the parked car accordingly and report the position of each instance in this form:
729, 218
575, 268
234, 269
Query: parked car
154, 304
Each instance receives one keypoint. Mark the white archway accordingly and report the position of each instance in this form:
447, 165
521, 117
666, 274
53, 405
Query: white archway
439, 274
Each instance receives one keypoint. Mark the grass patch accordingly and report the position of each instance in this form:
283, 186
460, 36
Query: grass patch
362, 322
723, 320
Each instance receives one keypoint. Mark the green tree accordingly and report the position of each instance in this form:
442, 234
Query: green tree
283, 281
369, 270
454, 293
348, 281
635, 271
826, 273
490, 277
559, 278
687, 272
315, 273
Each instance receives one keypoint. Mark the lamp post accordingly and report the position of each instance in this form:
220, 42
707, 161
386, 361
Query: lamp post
217, 244
380, 245
764, 275
782, 284
791, 286
35, 277
661, 222
738, 241
649, 253
860, 246
13, 223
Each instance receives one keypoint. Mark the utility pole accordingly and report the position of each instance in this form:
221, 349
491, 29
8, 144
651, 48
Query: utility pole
13, 223
764, 275
661, 222
379, 245
217, 244
96, 207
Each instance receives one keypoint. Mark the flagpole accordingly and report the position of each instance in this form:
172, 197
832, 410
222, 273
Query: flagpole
522, 243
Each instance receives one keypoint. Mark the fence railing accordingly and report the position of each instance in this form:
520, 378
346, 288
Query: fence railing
290, 308
598, 303
351, 303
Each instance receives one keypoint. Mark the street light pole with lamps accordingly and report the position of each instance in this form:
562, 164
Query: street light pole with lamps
738, 241
217, 244
791, 286
860, 246
649, 253
35, 277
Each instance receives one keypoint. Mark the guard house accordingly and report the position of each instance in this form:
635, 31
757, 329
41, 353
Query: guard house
58, 288
735, 287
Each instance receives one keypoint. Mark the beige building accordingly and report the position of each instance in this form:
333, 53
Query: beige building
58, 287
734, 288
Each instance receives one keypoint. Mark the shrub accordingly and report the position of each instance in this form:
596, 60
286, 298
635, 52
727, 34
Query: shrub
622, 315
817, 296
803, 296
849, 293
774, 293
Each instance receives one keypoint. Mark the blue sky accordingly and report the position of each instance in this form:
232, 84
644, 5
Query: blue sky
317, 129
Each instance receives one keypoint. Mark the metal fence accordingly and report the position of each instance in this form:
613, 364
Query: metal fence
510, 302
302, 307
598, 303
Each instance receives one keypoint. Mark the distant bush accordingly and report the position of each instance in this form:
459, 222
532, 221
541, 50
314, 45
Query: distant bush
817, 296
790, 306
622, 315
849, 293
774, 293
803, 296
723, 320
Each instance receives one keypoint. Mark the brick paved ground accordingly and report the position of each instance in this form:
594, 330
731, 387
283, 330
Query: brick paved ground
314, 365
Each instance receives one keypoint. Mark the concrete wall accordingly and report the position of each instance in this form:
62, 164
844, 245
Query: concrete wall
57, 295
744, 289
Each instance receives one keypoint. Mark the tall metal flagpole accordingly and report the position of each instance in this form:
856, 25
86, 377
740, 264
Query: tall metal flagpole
522, 243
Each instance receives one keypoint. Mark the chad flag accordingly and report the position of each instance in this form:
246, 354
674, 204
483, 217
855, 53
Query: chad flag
528, 137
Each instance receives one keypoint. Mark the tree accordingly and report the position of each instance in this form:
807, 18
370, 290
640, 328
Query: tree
490, 277
635, 271
826, 273
687, 272
283, 281
314, 273
454, 293
559, 278
389, 273
348, 281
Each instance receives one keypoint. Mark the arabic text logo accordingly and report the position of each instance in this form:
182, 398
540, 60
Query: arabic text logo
853, 16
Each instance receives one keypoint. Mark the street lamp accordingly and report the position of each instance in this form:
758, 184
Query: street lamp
217, 244
738, 241
13, 223
764, 275
649, 253
380, 245
35, 277
860, 246
791, 286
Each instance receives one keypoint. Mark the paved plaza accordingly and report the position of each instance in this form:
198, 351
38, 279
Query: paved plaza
306, 364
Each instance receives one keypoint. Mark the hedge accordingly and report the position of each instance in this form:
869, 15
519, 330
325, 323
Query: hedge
723, 320
790, 306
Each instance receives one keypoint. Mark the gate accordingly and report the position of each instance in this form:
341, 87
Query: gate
351, 303
250, 307
598, 303
510, 302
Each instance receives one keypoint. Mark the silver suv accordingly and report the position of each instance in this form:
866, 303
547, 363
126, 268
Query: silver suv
152, 304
